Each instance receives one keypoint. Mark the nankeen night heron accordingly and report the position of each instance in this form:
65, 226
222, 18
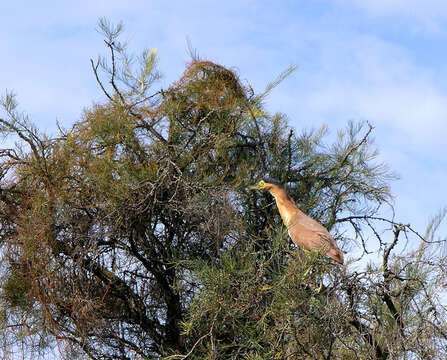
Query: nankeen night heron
304, 231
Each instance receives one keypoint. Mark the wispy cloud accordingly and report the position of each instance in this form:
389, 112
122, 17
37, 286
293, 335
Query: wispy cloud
365, 77
422, 16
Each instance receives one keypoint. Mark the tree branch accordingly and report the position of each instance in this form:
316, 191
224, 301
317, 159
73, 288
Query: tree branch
95, 71
365, 332
387, 278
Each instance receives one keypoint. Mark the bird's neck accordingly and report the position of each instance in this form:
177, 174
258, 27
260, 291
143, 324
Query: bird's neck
286, 206
280, 195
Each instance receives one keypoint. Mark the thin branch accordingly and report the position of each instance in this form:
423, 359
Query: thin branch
209, 333
95, 71
264, 157
289, 148
113, 74
22, 136
386, 276
369, 338
349, 152
355, 147
128, 107
407, 226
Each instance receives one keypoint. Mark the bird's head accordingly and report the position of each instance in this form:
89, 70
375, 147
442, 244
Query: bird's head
264, 185
259, 186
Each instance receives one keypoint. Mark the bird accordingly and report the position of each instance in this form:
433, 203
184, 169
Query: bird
304, 231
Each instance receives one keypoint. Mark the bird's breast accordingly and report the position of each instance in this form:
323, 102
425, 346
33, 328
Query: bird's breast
286, 214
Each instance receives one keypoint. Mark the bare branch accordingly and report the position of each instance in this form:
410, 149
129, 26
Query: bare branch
392, 222
111, 45
95, 71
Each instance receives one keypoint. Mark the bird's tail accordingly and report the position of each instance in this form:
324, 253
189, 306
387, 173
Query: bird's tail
336, 254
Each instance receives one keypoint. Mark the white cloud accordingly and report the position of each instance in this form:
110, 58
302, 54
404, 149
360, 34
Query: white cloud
426, 15
364, 77
415, 111
411, 7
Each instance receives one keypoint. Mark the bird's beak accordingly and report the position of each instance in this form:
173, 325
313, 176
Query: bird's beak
254, 187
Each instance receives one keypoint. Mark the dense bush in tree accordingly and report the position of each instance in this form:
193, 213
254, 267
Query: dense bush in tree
131, 235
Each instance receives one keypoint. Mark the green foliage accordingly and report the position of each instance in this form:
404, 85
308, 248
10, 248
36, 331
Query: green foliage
261, 304
131, 235
15, 290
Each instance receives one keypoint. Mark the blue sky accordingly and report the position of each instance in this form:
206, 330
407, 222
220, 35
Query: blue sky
378, 60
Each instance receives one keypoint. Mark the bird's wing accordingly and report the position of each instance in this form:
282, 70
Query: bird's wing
305, 238
308, 223
309, 234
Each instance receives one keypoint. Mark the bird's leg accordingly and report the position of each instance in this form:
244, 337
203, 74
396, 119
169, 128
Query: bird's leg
322, 271
309, 260
321, 287
305, 259
314, 256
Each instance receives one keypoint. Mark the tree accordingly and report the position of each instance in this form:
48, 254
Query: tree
131, 235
